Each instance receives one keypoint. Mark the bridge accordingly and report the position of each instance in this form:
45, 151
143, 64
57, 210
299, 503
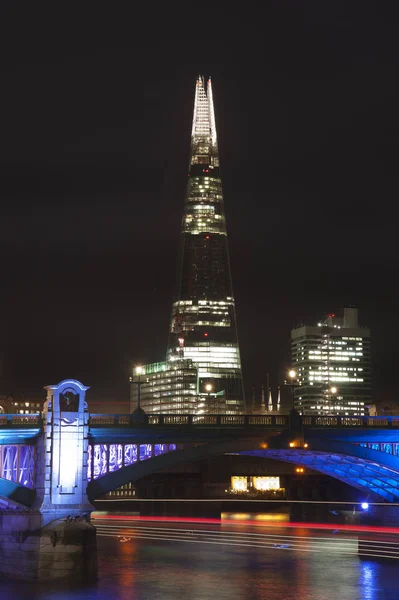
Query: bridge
60, 461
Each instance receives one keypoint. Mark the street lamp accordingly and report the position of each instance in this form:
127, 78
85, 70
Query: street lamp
292, 376
212, 398
139, 371
333, 392
208, 389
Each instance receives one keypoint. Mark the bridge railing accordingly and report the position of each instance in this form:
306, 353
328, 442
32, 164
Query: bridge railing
272, 421
162, 420
341, 421
21, 420
102, 420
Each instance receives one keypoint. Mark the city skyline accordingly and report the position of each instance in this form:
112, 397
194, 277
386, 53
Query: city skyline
265, 270
92, 197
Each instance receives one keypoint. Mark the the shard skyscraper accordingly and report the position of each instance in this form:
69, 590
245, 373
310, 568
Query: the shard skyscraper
203, 323
202, 371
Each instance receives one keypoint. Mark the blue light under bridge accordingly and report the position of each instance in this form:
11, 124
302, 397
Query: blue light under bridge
373, 472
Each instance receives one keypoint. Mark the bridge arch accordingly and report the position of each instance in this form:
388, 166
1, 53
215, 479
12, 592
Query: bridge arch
374, 473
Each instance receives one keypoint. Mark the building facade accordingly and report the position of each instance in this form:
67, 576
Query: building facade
166, 387
203, 327
203, 322
21, 404
332, 362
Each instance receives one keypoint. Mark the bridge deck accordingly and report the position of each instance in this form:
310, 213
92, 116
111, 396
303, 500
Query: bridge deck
23, 429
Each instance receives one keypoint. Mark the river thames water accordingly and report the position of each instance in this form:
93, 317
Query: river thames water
179, 559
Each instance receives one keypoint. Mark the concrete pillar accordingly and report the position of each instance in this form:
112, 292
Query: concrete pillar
61, 550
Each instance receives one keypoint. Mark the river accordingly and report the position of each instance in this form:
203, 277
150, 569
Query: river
175, 559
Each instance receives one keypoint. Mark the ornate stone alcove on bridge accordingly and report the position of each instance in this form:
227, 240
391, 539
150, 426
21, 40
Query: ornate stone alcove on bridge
61, 461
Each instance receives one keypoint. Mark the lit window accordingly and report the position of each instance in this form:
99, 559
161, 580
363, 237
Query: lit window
239, 484
266, 483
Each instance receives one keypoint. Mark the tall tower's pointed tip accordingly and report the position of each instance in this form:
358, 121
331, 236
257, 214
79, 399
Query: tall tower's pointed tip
203, 134
201, 79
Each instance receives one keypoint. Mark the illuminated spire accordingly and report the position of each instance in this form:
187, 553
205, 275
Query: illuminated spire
204, 311
203, 134
278, 400
212, 115
263, 405
270, 406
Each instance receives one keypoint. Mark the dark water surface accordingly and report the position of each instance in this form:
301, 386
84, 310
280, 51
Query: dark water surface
150, 561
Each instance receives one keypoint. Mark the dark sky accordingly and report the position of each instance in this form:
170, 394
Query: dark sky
96, 108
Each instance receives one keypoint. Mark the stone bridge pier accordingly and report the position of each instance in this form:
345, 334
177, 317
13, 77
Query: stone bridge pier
62, 452
54, 539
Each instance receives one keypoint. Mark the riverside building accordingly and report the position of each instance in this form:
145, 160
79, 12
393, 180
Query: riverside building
332, 363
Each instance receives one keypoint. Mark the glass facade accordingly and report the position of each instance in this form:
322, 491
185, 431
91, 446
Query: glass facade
203, 322
332, 360
167, 387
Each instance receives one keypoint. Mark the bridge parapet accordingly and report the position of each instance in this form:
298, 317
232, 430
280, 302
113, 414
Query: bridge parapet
165, 420
21, 421
8, 421
342, 421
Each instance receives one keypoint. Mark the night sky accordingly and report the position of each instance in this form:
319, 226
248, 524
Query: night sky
96, 109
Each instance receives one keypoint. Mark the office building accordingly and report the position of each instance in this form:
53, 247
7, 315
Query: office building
203, 322
166, 387
332, 362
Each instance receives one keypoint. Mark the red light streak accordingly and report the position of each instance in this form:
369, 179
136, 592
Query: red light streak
281, 524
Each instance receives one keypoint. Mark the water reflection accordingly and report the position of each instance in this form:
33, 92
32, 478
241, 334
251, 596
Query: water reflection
367, 574
283, 517
149, 568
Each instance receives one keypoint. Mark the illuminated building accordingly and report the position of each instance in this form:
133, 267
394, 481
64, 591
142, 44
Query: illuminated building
203, 322
21, 404
202, 371
332, 362
166, 387
246, 483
